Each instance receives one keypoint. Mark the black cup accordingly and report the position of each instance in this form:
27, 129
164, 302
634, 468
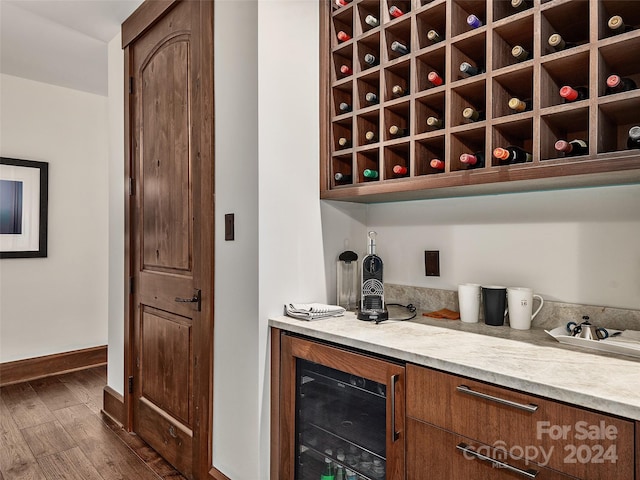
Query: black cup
494, 300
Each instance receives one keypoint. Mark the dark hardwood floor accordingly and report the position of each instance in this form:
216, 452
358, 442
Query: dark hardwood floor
53, 428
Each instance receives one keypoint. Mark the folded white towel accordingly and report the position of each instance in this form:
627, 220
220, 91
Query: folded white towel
312, 311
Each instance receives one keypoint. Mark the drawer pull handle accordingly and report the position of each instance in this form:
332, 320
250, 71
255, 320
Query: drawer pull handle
530, 473
527, 408
394, 433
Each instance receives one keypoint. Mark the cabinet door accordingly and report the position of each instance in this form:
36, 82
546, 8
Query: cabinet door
436, 454
334, 402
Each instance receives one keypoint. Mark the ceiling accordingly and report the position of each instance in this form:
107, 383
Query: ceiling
61, 42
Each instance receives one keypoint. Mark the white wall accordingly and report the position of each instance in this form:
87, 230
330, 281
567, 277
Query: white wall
59, 303
115, 84
575, 246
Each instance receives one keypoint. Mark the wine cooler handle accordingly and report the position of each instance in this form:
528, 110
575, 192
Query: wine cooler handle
394, 433
528, 408
530, 473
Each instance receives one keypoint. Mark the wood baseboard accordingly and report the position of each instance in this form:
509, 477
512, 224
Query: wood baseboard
113, 405
39, 367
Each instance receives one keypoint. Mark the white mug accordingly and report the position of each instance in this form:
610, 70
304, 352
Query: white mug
469, 302
520, 302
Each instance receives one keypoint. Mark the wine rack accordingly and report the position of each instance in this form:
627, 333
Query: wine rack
390, 93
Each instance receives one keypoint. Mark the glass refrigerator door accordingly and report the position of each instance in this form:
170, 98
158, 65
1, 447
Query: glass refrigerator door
340, 425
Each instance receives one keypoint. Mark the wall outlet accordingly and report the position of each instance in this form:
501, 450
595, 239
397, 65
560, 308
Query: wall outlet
432, 263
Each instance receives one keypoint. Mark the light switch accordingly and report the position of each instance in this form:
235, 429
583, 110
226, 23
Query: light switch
432, 263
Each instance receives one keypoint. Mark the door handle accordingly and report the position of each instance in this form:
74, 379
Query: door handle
394, 434
197, 298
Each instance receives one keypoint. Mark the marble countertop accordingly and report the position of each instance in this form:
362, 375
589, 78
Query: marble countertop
530, 361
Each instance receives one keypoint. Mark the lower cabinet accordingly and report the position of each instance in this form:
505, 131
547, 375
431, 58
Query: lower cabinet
498, 433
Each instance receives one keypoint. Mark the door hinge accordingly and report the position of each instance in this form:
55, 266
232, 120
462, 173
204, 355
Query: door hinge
130, 85
132, 187
130, 384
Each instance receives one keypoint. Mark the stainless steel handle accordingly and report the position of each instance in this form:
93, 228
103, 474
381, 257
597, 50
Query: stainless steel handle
394, 434
530, 473
197, 298
527, 408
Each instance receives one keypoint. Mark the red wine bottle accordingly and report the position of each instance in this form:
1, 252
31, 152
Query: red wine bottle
397, 131
518, 105
473, 160
556, 41
395, 12
572, 148
512, 154
399, 48
371, 136
469, 70
371, 98
521, 5
434, 36
342, 3
520, 54
473, 21
370, 59
616, 25
346, 70
473, 115
340, 177
435, 78
574, 94
618, 84
344, 142
344, 107
434, 122
400, 170
370, 173
398, 91
634, 137
437, 164
343, 36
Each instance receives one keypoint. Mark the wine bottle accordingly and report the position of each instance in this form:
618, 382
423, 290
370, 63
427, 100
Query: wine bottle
616, 25
518, 105
520, 54
556, 41
344, 142
634, 137
395, 12
351, 475
574, 94
342, 3
512, 154
434, 36
399, 48
344, 107
473, 160
437, 164
618, 84
340, 474
371, 21
572, 148
400, 170
340, 177
346, 70
370, 59
370, 136
398, 91
397, 131
369, 173
327, 472
435, 79
343, 36
473, 21
473, 115
521, 5
434, 122
470, 70
371, 98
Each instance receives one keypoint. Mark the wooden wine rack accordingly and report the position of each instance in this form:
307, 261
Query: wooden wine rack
603, 121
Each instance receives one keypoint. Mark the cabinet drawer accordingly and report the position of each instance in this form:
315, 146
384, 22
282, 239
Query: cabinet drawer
585, 444
435, 454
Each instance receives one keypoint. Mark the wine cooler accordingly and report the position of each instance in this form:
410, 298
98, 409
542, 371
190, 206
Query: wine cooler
342, 412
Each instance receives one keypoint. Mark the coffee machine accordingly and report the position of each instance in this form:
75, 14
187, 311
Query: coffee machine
372, 306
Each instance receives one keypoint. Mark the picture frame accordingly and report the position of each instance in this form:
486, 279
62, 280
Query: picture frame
24, 189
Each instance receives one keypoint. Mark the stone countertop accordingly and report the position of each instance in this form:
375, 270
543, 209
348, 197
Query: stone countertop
530, 361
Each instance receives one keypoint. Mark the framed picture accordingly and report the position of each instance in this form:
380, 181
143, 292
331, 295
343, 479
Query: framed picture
23, 208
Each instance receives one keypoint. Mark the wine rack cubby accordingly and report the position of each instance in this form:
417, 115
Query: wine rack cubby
398, 63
